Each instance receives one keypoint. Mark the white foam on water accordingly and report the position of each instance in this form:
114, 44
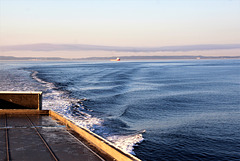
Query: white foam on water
127, 143
58, 101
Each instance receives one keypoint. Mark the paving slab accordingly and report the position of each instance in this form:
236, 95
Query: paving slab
39, 137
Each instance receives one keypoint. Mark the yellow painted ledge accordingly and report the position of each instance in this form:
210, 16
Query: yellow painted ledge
24, 111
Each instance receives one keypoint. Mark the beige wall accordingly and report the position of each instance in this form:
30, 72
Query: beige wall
29, 100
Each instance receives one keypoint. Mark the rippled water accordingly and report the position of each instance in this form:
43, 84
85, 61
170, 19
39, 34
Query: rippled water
166, 110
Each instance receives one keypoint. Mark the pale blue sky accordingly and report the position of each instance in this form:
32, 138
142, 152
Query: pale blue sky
137, 23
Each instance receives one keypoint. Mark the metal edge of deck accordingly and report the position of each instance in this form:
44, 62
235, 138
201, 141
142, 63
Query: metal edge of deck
97, 141
20, 92
24, 111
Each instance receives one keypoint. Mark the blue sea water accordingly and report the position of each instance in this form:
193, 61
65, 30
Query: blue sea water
156, 110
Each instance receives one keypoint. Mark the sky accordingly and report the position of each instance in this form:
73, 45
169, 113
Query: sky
119, 23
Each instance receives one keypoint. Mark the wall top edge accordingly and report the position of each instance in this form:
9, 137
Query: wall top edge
20, 92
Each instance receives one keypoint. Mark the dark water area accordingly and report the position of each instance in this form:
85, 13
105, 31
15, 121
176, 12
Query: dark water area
165, 110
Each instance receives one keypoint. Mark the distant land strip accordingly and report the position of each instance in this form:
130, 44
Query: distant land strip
126, 58
83, 47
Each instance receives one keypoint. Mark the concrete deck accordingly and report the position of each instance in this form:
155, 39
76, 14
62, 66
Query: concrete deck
39, 137
29, 133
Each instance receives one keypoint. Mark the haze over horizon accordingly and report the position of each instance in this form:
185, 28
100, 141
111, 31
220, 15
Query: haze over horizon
119, 28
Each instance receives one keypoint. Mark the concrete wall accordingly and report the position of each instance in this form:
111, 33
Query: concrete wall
20, 100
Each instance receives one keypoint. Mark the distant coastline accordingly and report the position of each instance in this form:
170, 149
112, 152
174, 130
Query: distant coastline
124, 58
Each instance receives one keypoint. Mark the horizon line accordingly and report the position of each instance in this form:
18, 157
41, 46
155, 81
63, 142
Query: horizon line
123, 57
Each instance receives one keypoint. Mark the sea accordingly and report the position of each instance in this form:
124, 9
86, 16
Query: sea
156, 110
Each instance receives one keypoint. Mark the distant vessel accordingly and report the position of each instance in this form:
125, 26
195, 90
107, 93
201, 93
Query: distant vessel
117, 59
